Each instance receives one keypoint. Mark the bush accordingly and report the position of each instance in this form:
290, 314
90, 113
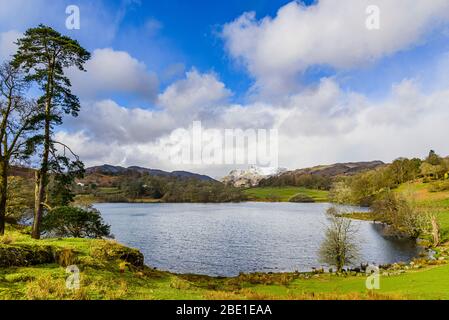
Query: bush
301, 198
74, 222
439, 186
401, 214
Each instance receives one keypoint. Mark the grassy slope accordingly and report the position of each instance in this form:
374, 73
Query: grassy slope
435, 202
284, 194
102, 279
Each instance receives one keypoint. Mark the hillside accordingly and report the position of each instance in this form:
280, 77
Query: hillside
319, 177
338, 169
118, 170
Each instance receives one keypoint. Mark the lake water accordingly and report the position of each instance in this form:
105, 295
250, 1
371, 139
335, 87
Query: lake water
226, 239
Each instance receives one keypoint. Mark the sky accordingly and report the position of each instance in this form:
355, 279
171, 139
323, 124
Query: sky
335, 89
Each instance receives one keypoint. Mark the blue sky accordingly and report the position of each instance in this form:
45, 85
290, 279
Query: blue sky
171, 34
336, 90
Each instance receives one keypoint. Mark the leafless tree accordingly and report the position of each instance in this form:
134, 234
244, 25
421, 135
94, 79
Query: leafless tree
16, 127
339, 247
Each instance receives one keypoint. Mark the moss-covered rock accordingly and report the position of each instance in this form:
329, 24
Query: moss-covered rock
111, 250
25, 255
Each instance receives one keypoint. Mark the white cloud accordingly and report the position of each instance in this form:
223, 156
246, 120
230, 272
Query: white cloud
334, 33
194, 93
114, 72
7, 44
322, 111
322, 124
195, 97
108, 122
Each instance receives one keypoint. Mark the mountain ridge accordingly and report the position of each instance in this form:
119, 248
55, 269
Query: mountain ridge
118, 170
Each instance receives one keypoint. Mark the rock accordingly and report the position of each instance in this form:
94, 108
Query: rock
110, 250
25, 255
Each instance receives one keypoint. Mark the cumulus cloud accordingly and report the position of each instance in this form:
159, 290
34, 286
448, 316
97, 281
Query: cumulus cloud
194, 93
333, 33
109, 122
114, 72
323, 124
183, 102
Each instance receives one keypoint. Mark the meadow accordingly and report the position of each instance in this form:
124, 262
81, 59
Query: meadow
285, 194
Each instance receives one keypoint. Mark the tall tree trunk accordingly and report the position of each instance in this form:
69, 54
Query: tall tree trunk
42, 179
41, 185
3, 194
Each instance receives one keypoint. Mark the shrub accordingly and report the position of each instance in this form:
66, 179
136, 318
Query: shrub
301, 198
74, 222
401, 214
439, 186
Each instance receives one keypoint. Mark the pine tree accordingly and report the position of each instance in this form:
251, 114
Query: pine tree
44, 54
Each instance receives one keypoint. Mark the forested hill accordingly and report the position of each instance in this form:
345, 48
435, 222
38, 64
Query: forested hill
118, 170
319, 177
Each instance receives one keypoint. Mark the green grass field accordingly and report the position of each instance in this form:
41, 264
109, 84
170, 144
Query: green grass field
284, 194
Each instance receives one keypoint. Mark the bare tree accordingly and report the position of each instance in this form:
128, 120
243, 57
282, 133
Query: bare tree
17, 123
339, 247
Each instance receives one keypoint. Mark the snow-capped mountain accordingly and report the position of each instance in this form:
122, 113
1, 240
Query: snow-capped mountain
251, 177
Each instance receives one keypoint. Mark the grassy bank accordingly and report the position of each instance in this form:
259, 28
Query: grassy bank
285, 194
106, 275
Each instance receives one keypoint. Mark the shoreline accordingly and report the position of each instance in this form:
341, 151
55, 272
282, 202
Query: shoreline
110, 270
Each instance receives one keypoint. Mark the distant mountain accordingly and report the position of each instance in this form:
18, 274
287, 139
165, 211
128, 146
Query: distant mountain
118, 170
251, 177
